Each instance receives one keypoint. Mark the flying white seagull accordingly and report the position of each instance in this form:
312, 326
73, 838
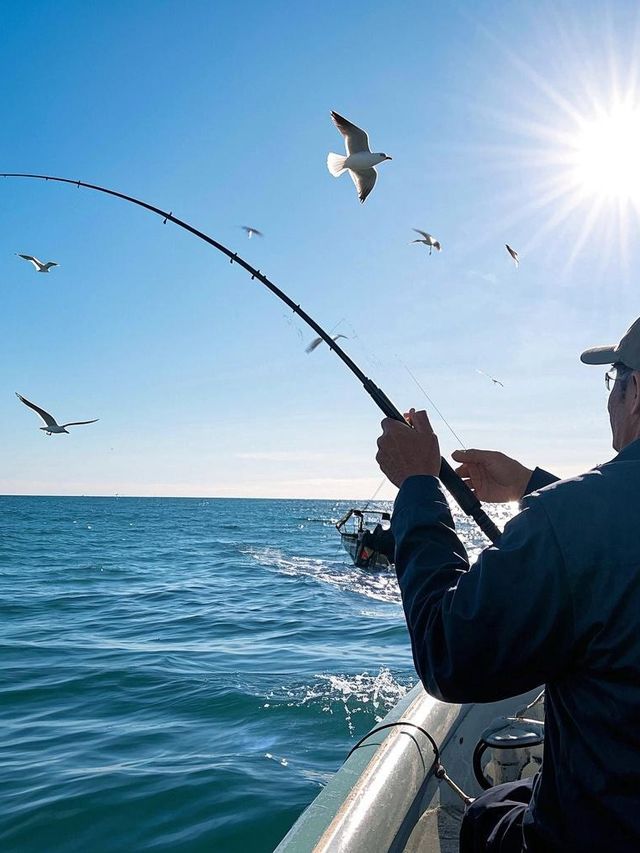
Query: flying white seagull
40, 267
513, 254
251, 231
51, 425
428, 240
495, 381
359, 161
317, 341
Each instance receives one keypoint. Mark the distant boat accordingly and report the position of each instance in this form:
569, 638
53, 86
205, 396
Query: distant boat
359, 529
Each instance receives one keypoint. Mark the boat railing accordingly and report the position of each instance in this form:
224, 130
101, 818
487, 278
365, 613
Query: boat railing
361, 516
386, 797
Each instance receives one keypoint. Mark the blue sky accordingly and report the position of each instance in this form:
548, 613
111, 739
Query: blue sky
220, 113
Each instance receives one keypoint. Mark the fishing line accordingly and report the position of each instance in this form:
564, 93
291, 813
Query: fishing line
374, 363
370, 357
451, 429
373, 496
466, 499
289, 321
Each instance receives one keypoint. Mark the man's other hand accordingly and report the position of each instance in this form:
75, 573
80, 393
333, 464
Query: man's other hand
494, 477
403, 452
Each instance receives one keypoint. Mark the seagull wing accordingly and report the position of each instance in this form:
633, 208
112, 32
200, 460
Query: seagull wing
424, 234
314, 343
37, 264
513, 254
495, 381
335, 337
46, 417
355, 139
79, 423
364, 181
50, 264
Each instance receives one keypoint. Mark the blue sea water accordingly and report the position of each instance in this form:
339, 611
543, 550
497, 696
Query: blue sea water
183, 674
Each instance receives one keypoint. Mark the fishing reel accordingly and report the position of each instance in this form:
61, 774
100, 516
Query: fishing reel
514, 746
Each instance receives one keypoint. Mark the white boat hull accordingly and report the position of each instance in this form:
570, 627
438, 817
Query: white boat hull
386, 798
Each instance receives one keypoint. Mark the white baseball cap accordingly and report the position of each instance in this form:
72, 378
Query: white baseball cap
627, 351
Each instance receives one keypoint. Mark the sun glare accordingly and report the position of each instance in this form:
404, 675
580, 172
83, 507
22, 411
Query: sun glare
607, 155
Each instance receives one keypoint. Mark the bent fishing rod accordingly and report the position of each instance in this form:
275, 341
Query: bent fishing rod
459, 490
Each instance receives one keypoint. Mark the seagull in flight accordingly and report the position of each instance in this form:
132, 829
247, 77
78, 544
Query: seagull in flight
40, 267
359, 161
317, 341
51, 425
251, 231
495, 381
428, 240
513, 254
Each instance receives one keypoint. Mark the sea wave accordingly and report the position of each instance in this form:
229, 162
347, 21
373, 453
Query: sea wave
378, 585
183, 674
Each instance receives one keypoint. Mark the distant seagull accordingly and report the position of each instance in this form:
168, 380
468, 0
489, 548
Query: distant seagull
251, 231
40, 267
359, 160
428, 240
317, 341
495, 381
513, 254
51, 425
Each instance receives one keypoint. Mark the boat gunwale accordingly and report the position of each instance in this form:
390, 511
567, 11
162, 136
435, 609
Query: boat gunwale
335, 816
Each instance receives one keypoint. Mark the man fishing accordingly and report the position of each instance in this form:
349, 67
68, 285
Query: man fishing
557, 601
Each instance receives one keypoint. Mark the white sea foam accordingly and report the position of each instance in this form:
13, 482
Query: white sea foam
284, 762
381, 586
347, 695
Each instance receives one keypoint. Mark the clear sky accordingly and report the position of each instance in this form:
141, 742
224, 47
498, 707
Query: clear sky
507, 123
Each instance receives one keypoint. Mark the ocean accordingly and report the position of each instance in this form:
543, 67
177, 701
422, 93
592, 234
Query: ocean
183, 674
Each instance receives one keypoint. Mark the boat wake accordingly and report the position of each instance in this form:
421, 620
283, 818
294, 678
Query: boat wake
380, 586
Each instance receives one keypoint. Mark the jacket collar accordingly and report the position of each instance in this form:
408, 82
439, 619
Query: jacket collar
629, 453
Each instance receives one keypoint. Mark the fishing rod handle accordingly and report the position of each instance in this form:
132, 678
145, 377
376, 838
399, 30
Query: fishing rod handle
455, 485
468, 502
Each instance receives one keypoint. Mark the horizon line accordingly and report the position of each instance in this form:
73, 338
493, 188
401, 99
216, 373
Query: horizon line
198, 497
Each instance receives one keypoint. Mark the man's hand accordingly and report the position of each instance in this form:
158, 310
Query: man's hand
494, 477
403, 452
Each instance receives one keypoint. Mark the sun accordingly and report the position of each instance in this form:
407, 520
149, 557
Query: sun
607, 155
565, 146
582, 159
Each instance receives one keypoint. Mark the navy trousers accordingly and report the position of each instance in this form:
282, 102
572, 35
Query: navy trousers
493, 822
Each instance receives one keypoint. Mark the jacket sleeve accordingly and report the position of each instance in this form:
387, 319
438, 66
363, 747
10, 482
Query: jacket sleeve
497, 628
539, 479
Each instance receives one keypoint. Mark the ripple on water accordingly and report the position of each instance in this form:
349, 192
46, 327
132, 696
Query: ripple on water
183, 674
378, 585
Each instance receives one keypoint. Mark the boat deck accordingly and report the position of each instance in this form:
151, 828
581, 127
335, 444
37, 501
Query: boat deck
437, 831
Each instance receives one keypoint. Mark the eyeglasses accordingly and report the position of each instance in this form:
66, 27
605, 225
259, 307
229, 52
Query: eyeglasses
613, 374
609, 378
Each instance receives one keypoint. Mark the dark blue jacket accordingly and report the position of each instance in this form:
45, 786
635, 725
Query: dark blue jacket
557, 602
